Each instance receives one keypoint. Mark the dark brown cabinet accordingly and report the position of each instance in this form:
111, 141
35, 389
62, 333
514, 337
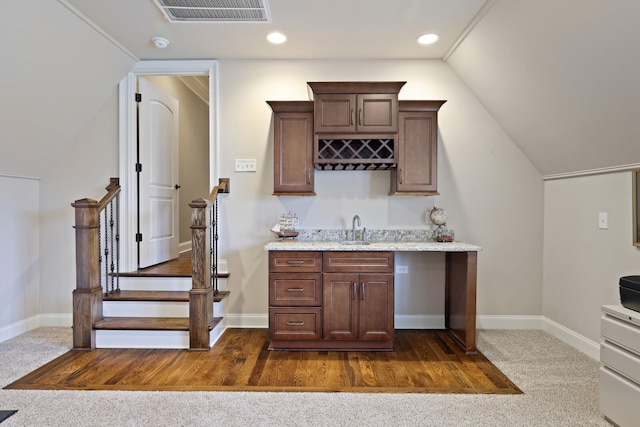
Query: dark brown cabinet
295, 295
356, 126
293, 148
357, 306
331, 300
358, 296
417, 149
355, 107
349, 113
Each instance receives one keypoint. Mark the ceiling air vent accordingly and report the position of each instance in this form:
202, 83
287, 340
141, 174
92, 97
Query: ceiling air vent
215, 10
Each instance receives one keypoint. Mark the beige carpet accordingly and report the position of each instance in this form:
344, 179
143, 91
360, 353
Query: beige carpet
560, 388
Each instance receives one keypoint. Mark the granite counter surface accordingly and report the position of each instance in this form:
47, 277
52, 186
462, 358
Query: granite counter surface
427, 246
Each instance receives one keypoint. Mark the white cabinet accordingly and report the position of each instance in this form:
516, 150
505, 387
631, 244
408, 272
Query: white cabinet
620, 373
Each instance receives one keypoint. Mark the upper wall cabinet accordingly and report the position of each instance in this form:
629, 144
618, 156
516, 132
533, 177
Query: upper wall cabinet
355, 107
356, 126
417, 149
293, 148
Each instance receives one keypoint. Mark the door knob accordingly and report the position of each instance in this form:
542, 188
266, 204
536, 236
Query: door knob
177, 186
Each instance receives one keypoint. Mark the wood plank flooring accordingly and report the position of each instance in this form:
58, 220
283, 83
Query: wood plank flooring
179, 267
422, 362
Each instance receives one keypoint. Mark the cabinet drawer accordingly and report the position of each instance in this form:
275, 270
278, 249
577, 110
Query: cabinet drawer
618, 398
295, 261
356, 262
295, 289
622, 333
621, 361
295, 323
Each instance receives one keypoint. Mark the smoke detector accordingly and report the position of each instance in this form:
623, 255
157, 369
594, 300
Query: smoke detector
215, 10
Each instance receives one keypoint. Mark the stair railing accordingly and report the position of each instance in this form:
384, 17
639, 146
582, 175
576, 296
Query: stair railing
204, 262
95, 263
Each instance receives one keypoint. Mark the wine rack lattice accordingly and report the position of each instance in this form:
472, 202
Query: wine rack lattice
355, 154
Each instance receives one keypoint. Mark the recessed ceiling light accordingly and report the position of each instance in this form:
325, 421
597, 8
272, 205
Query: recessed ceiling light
428, 38
277, 38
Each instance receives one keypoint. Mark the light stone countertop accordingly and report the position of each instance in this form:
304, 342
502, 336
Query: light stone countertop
428, 246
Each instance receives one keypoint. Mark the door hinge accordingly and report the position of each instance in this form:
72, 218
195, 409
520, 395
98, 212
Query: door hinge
138, 237
138, 167
138, 97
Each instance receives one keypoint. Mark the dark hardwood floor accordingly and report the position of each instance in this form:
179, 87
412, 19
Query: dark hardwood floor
179, 267
422, 362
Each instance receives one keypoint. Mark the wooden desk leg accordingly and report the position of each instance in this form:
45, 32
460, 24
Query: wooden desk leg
460, 298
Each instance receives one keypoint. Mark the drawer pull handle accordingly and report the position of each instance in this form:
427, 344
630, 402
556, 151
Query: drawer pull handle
295, 323
295, 289
355, 290
362, 293
295, 262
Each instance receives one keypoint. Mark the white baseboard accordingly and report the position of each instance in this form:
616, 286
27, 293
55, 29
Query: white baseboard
579, 342
584, 344
508, 322
184, 246
18, 328
408, 321
247, 320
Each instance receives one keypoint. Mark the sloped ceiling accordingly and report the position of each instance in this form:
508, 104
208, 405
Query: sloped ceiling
561, 77
56, 73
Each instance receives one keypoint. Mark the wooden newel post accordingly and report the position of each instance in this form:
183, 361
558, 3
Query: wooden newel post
87, 297
201, 293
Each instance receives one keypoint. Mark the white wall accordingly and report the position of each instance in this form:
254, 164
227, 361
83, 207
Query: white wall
19, 256
83, 171
493, 194
582, 263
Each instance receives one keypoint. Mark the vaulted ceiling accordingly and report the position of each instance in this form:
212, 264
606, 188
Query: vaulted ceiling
561, 77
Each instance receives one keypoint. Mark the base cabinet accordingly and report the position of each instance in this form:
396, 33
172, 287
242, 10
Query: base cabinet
331, 300
620, 357
358, 306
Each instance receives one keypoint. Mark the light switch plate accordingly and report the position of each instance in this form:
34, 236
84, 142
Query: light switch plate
603, 221
245, 165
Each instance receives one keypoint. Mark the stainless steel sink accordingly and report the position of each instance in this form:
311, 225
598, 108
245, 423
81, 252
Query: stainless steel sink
354, 242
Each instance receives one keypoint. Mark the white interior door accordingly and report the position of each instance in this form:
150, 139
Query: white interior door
158, 157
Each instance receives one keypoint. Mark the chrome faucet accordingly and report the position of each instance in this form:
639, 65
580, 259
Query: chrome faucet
353, 226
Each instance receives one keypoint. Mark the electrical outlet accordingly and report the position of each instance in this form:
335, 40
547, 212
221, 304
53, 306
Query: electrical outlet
603, 221
402, 269
245, 165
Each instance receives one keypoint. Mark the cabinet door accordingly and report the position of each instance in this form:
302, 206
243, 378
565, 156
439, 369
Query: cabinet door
377, 113
417, 154
340, 306
350, 113
293, 161
375, 311
335, 113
